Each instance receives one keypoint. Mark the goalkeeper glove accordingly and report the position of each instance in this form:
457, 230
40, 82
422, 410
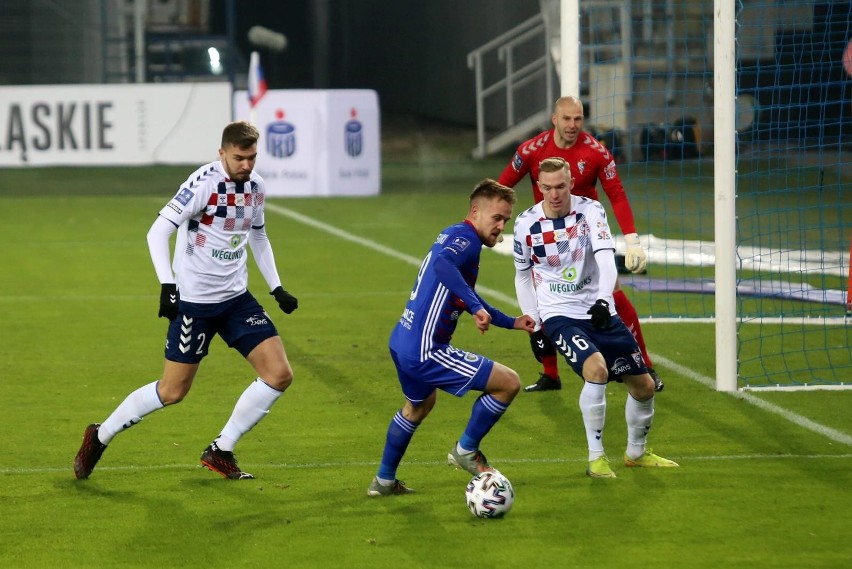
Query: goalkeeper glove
286, 301
635, 258
600, 314
541, 345
169, 301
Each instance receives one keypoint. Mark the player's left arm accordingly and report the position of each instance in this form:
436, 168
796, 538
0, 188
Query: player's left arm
614, 189
635, 258
261, 250
498, 317
446, 267
604, 252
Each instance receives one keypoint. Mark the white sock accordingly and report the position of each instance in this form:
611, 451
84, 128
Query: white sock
141, 402
593, 407
462, 450
251, 407
639, 415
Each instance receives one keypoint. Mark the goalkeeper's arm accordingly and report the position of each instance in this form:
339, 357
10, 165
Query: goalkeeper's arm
635, 258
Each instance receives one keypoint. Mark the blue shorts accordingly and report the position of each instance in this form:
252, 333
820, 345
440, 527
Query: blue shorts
241, 322
577, 339
449, 369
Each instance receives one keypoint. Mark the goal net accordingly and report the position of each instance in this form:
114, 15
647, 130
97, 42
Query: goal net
774, 142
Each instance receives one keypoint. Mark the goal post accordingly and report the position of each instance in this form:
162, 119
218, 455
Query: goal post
724, 192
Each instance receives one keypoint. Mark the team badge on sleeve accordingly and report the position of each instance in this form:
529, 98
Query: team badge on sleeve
460, 243
517, 162
184, 195
609, 171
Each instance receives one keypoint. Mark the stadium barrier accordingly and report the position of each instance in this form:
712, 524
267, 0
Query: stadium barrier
112, 125
316, 142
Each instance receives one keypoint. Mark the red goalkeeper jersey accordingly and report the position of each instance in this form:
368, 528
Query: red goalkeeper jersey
590, 161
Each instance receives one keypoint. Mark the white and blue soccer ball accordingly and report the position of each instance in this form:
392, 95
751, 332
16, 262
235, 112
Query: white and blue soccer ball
489, 495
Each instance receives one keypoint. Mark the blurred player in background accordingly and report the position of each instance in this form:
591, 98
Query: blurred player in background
217, 213
589, 161
565, 275
420, 342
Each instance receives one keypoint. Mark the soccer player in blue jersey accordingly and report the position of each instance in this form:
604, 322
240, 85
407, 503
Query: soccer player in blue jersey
565, 277
217, 214
420, 342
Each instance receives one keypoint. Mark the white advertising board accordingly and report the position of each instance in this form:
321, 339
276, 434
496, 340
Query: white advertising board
127, 124
316, 142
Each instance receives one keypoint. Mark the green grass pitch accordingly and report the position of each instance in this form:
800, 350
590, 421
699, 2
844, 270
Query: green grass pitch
756, 488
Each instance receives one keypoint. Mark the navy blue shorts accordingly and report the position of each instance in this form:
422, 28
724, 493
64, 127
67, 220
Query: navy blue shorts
241, 322
577, 339
449, 369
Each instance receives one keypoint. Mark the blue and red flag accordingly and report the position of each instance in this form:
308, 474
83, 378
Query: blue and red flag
256, 81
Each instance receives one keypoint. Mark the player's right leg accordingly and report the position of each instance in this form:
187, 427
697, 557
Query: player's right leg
574, 339
592, 404
420, 399
175, 383
399, 434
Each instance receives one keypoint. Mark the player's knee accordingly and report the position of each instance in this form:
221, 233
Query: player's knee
508, 383
171, 395
641, 387
514, 382
595, 370
417, 413
280, 378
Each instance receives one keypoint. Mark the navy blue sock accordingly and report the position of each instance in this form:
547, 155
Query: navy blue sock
485, 413
399, 435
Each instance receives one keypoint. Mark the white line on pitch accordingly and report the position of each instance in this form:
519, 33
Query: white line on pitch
794, 418
378, 247
362, 464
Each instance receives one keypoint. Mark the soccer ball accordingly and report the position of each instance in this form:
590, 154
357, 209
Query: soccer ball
490, 495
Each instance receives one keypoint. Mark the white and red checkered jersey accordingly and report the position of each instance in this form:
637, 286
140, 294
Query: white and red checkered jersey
560, 254
214, 215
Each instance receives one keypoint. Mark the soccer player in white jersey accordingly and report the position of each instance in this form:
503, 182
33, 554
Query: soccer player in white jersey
565, 274
217, 213
420, 342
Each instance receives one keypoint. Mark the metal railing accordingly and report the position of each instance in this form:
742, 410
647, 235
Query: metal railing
516, 76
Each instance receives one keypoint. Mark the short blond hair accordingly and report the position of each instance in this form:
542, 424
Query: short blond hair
554, 164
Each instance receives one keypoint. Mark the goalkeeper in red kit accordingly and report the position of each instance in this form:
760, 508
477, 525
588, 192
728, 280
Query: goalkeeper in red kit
589, 161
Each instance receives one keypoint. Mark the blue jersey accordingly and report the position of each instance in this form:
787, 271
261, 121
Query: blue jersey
442, 291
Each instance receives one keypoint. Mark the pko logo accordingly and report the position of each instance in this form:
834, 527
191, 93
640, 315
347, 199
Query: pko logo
280, 137
353, 135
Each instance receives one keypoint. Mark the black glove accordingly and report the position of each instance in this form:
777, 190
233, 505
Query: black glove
600, 314
541, 345
286, 301
169, 300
